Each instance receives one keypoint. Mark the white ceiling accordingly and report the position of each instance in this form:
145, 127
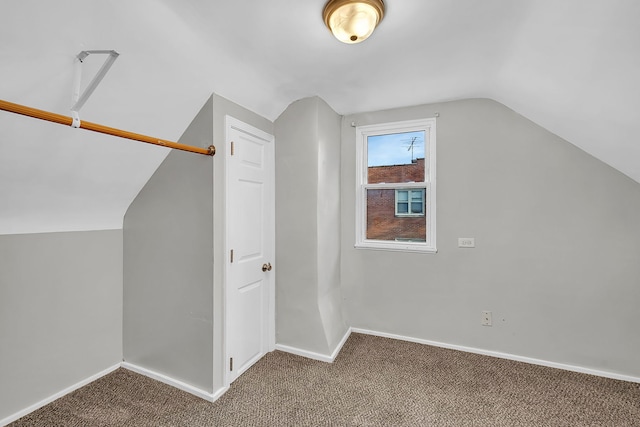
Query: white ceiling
571, 66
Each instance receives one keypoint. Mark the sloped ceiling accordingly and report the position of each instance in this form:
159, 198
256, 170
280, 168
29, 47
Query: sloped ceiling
571, 66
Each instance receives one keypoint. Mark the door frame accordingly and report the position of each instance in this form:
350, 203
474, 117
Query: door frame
229, 124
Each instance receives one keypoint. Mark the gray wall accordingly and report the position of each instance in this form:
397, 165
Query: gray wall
308, 300
328, 225
556, 255
60, 312
168, 265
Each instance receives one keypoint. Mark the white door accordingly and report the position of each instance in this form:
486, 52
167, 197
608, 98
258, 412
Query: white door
250, 242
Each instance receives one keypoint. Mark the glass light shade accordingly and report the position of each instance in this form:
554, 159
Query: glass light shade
353, 21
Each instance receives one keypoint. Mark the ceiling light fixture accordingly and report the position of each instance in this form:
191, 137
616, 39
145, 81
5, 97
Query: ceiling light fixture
352, 21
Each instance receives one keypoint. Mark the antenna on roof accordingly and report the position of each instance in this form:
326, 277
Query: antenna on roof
414, 141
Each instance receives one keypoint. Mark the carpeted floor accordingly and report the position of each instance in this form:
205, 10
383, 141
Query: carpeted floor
373, 382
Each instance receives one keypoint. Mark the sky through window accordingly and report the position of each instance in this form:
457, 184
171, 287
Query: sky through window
395, 148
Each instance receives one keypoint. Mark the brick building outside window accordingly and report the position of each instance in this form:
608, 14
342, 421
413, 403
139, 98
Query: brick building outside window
396, 214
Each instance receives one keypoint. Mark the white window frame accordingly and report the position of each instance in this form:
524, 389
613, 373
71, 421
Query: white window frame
427, 125
409, 202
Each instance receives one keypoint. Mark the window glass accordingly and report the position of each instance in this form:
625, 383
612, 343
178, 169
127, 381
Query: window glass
384, 223
417, 202
396, 157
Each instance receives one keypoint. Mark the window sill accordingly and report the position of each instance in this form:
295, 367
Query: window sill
396, 247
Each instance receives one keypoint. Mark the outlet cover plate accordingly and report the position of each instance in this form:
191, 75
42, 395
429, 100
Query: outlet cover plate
486, 319
466, 242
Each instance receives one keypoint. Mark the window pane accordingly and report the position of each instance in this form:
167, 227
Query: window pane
403, 207
416, 208
396, 157
384, 224
403, 196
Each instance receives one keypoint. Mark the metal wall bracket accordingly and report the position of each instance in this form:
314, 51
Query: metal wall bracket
75, 119
80, 99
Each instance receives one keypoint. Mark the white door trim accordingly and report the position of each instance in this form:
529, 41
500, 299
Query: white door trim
235, 124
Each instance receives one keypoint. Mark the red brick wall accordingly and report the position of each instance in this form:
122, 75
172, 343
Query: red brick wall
397, 173
382, 222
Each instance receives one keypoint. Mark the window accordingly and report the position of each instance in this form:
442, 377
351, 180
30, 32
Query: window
409, 202
395, 203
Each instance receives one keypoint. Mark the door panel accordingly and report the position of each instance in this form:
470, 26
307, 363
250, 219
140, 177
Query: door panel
249, 209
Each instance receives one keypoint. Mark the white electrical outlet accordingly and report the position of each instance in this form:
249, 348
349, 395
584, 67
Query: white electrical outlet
466, 242
486, 318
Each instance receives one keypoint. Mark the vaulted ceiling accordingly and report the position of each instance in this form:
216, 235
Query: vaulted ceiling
571, 66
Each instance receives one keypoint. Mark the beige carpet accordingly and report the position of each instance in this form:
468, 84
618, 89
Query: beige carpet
373, 382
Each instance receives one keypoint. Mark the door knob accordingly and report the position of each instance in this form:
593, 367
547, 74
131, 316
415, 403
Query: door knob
266, 267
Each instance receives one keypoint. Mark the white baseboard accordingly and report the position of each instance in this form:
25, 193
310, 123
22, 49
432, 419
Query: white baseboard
344, 339
313, 355
304, 353
58, 395
211, 397
501, 355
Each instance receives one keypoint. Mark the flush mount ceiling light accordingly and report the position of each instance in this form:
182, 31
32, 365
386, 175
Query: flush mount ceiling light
352, 21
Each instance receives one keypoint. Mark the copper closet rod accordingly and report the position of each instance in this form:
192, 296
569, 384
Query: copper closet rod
64, 120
